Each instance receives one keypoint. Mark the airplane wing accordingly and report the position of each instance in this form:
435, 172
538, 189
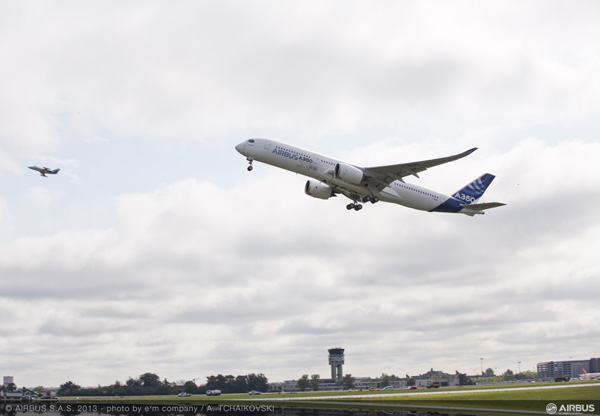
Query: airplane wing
381, 176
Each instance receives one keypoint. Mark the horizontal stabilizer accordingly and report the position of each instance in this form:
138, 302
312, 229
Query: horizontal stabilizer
483, 205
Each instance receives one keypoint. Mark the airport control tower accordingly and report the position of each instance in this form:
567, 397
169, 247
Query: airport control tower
336, 359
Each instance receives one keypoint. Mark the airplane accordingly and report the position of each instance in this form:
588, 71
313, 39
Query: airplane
331, 177
588, 376
44, 170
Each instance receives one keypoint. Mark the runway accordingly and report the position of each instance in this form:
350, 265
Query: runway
436, 392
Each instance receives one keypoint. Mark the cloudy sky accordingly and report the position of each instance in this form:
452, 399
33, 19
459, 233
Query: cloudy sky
154, 250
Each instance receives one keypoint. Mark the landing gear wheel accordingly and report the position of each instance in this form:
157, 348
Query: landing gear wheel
250, 168
350, 206
357, 207
371, 198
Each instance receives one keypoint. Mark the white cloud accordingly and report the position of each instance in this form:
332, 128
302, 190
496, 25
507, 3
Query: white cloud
40, 197
196, 71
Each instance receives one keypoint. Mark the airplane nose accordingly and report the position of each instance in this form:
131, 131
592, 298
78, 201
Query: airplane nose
240, 148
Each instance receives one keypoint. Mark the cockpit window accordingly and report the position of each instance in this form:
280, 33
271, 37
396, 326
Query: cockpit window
251, 141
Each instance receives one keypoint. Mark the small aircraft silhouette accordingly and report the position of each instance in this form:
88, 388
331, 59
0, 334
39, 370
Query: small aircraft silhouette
44, 170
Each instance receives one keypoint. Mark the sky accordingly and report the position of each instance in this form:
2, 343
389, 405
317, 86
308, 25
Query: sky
155, 250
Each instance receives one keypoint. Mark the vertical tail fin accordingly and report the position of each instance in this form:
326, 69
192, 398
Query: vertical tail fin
473, 191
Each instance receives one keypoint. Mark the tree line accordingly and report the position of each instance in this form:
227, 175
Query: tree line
150, 384
10, 387
307, 382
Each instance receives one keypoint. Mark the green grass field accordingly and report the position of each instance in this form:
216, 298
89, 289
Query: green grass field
534, 400
528, 398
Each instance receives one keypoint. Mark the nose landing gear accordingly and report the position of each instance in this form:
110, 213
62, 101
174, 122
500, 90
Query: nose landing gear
250, 160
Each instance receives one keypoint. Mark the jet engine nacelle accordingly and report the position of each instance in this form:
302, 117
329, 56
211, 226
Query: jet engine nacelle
318, 189
348, 173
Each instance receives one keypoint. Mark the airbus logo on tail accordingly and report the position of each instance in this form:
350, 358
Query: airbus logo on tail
478, 185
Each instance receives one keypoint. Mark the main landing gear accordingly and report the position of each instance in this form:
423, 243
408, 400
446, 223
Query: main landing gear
354, 206
250, 160
374, 199
357, 207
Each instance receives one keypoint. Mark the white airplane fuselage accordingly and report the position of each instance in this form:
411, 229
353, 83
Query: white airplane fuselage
43, 171
321, 168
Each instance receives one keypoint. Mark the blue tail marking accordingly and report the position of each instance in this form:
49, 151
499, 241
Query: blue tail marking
473, 191
467, 195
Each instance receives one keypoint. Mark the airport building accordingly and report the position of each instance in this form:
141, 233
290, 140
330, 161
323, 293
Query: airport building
435, 377
594, 365
571, 368
291, 386
8, 380
367, 383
